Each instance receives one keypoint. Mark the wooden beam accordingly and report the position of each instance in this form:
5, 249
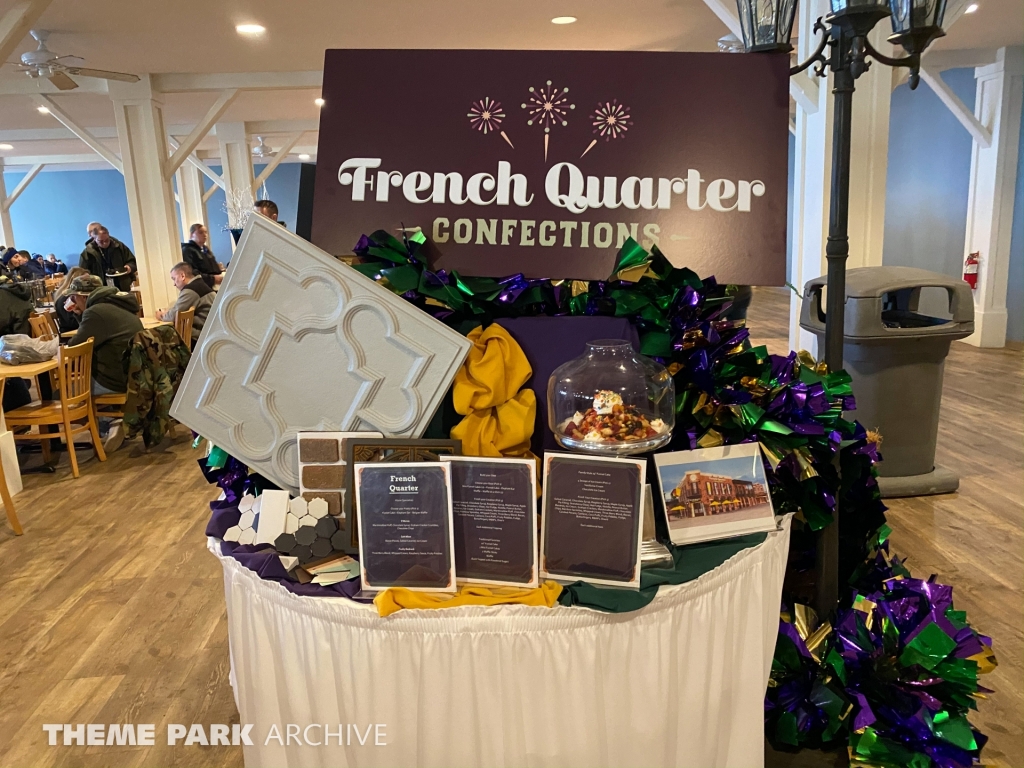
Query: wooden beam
210, 193
248, 81
726, 13
204, 169
16, 23
213, 114
22, 185
269, 127
275, 161
93, 143
981, 134
30, 160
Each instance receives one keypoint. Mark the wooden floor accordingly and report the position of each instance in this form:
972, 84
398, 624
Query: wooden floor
112, 611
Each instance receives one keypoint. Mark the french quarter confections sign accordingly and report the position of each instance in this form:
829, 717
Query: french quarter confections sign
545, 162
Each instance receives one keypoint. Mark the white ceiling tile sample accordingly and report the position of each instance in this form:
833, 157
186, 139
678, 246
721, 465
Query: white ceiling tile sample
298, 341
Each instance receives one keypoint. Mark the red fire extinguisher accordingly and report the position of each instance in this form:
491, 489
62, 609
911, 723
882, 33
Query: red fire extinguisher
971, 269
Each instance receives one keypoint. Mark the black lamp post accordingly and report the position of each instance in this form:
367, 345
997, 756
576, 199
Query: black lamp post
767, 26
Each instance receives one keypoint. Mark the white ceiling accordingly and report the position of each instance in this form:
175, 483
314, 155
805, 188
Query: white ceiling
198, 36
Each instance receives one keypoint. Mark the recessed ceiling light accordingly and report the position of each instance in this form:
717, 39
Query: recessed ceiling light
971, 8
6, 146
43, 110
303, 156
252, 30
563, 20
318, 102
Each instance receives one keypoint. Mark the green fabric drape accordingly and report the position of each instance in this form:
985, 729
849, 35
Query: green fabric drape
691, 562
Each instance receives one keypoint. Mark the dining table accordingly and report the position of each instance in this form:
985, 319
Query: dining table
147, 323
21, 371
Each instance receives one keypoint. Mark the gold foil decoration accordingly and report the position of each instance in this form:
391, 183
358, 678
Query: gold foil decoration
985, 659
817, 639
773, 458
866, 607
804, 620
711, 439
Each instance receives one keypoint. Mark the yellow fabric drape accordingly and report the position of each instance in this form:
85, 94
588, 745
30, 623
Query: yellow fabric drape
499, 416
396, 598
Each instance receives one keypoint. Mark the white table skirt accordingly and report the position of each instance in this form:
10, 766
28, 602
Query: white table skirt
679, 683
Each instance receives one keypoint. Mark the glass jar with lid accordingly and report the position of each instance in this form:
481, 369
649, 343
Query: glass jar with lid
611, 400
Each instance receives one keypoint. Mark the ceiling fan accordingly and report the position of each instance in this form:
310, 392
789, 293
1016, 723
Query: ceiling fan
261, 150
42, 62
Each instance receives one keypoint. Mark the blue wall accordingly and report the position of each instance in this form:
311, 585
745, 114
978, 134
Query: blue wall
50, 216
928, 178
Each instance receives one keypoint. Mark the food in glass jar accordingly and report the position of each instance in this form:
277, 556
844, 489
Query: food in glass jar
611, 420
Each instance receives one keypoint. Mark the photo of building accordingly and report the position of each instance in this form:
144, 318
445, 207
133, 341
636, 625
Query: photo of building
700, 494
715, 492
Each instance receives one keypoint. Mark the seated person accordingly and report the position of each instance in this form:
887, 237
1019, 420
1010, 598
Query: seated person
55, 266
197, 254
193, 291
66, 319
109, 317
25, 267
15, 307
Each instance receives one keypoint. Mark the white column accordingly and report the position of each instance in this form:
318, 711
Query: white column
997, 106
6, 228
235, 156
191, 206
811, 167
138, 113
812, 171
235, 160
870, 156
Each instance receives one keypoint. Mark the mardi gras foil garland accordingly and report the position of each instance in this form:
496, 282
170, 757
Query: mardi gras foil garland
897, 675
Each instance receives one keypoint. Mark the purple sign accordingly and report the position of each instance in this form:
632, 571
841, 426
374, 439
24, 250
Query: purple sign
545, 162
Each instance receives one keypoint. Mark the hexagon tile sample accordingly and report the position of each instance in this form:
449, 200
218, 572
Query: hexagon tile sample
290, 320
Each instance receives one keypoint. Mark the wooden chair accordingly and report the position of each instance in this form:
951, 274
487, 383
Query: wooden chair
51, 322
5, 494
45, 327
74, 371
41, 328
183, 325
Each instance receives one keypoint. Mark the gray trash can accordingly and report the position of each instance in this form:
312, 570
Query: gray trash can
895, 354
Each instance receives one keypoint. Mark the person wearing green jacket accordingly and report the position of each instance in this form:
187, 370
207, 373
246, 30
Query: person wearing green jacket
110, 319
105, 255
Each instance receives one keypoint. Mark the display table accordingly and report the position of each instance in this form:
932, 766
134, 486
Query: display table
680, 682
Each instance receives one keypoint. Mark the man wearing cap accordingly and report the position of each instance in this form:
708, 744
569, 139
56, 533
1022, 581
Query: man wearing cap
104, 255
109, 318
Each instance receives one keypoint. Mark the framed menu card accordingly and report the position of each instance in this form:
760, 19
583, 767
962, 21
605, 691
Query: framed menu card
494, 514
592, 519
405, 526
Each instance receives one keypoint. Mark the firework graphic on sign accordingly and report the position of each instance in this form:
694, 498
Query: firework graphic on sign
486, 116
546, 107
610, 121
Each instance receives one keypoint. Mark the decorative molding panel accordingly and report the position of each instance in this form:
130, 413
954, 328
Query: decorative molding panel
298, 341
